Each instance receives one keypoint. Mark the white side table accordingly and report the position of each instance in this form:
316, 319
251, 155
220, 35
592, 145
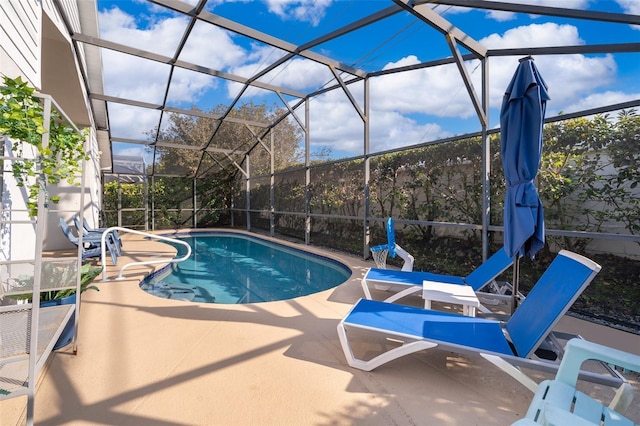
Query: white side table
450, 293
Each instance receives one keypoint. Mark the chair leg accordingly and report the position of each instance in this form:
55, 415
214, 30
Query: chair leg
365, 288
407, 291
623, 398
375, 362
512, 371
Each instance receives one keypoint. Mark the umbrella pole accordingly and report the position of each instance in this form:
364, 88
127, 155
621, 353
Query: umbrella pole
516, 282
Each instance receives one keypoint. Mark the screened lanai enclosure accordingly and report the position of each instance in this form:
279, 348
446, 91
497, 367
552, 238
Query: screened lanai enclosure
317, 138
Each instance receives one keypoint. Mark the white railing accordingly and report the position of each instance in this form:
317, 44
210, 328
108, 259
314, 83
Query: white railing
103, 242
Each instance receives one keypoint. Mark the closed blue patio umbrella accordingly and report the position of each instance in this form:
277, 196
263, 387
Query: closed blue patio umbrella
521, 122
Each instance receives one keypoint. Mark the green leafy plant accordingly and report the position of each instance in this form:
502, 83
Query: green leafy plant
22, 118
56, 273
87, 274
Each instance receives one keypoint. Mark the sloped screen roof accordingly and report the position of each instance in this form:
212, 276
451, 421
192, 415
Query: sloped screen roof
192, 87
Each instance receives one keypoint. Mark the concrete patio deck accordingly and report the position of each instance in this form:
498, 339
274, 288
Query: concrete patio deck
143, 360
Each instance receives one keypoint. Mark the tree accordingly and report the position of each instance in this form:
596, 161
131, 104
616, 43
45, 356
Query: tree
619, 189
589, 174
132, 196
215, 168
570, 167
196, 133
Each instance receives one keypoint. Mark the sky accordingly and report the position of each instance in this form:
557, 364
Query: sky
405, 109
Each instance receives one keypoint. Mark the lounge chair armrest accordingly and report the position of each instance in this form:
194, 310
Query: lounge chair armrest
579, 350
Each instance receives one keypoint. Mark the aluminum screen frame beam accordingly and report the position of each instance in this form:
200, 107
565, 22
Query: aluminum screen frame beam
427, 15
618, 18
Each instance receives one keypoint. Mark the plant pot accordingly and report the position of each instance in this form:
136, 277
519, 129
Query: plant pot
67, 334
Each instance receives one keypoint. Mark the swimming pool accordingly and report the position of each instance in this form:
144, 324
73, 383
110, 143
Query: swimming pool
231, 268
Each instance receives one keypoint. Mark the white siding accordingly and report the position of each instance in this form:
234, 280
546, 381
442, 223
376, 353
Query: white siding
70, 10
20, 38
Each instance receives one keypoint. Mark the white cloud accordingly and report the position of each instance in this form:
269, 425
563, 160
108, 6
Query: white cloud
133, 152
298, 73
630, 6
572, 77
534, 35
188, 86
501, 16
212, 47
596, 100
335, 123
435, 91
568, 77
567, 4
132, 122
130, 77
299, 10
256, 59
161, 36
440, 91
391, 130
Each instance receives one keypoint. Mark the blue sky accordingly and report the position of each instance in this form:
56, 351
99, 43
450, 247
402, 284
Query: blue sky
406, 109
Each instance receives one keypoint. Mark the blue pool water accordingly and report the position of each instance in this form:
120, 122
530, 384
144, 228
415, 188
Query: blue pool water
236, 268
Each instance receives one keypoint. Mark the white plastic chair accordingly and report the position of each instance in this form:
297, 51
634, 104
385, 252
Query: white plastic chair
557, 402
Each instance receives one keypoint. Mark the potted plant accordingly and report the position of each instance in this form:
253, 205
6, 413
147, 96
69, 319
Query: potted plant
22, 118
87, 274
67, 297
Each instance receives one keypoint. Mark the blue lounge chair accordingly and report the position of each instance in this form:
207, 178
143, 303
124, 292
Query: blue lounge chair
93, 233
506, 345
557, 402
90, 245
483, 276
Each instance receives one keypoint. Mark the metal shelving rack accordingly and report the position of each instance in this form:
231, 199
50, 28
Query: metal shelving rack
28, 332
